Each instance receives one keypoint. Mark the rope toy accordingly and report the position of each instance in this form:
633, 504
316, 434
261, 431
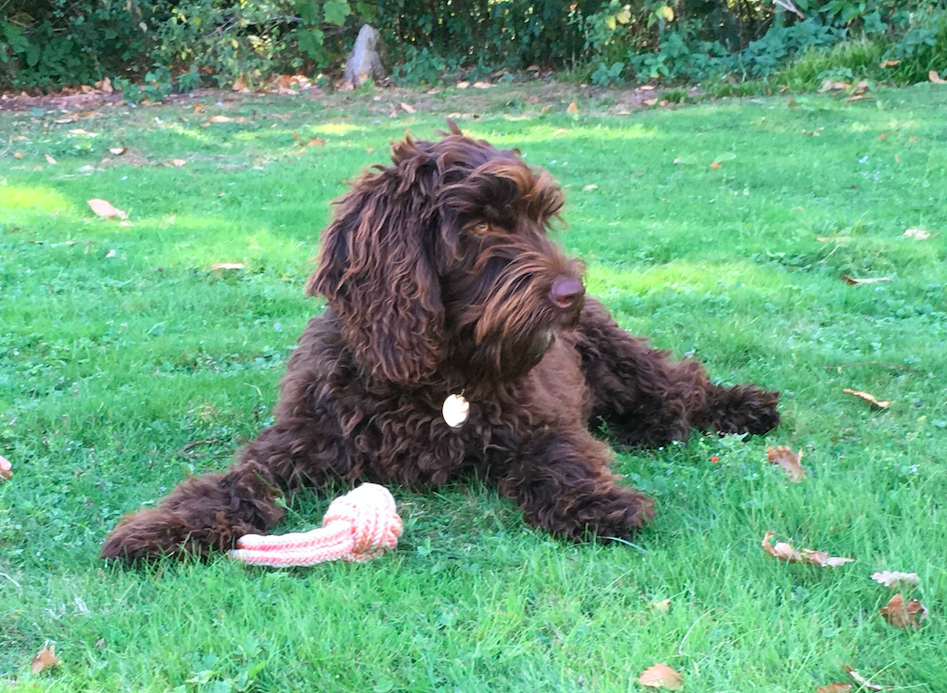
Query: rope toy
358, 527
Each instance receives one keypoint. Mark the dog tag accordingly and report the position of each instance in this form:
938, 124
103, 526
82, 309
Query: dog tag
455, 411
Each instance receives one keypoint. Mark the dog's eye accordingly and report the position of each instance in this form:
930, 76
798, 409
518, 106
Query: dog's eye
481, 227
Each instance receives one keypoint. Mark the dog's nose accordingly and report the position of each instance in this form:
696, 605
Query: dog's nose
566, 293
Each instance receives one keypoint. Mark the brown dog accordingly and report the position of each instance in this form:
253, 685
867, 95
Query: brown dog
441, 281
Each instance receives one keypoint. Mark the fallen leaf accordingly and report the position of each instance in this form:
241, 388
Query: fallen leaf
104, 85
834, 688
17, 155
573, 108
868, 397
179, 162
483, 85
463, 85
111, 253
901, 615
788, 460
408, 108
226, 266
785, 552
919, 234
6, 469
295, 136
832, 85
858, 281
859, 97
545, 110
891, 578
861, 88
935, 77
64, 121
105, 209
715, 165
912, 139
661, 676
882, 137
50, 159
861, 680
889, 63
117, 151
560, 131
241, 85
663, 606
589, 187
46, 659
316, 142
217, 119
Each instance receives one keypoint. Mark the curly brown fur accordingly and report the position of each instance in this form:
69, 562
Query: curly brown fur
440, 278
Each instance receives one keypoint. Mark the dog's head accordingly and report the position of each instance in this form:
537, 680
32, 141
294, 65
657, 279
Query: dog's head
443, 259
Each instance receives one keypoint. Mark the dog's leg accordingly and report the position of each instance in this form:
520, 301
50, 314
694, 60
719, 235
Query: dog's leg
212, 511
646, 398
563, 485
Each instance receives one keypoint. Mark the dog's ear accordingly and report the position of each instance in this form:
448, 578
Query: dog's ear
376, 270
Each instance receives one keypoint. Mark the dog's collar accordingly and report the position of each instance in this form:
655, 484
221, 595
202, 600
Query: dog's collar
455, 410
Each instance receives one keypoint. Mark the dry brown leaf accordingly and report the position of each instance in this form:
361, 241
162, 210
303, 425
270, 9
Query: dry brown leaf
661, 676
573, 108
118, 151
935, 77
858, 281
861, 88
6, 469
179, 162
832, 85
64, 121
17, 155
861, 680
241, 85
198, 107
788, 460
50, 159
834, 688
589, 187
226, 266
296, 136
217, 119
715, 165
860, 97
785, 552
46, 659
105, 209
545, 110
901, 615
868, 397
663, 606
919, 234
104, 85
463, 84
483, 85
316, 142
891, 578
408, 108
889, 63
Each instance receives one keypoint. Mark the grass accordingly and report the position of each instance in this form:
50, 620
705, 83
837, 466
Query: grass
126, 364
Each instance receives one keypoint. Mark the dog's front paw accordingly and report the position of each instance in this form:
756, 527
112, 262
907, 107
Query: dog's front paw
150, 534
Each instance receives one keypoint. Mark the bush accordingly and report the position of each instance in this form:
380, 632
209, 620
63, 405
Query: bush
165, 44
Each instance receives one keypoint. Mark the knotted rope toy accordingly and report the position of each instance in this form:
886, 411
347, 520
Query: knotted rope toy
358, 527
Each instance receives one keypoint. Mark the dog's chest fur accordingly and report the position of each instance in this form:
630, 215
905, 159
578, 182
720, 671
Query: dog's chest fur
398, 434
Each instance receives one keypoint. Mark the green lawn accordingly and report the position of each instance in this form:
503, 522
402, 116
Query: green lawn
126, 364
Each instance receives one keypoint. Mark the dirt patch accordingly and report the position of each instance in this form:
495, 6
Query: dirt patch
462, 100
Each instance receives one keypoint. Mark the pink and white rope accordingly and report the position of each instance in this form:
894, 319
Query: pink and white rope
358, 526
